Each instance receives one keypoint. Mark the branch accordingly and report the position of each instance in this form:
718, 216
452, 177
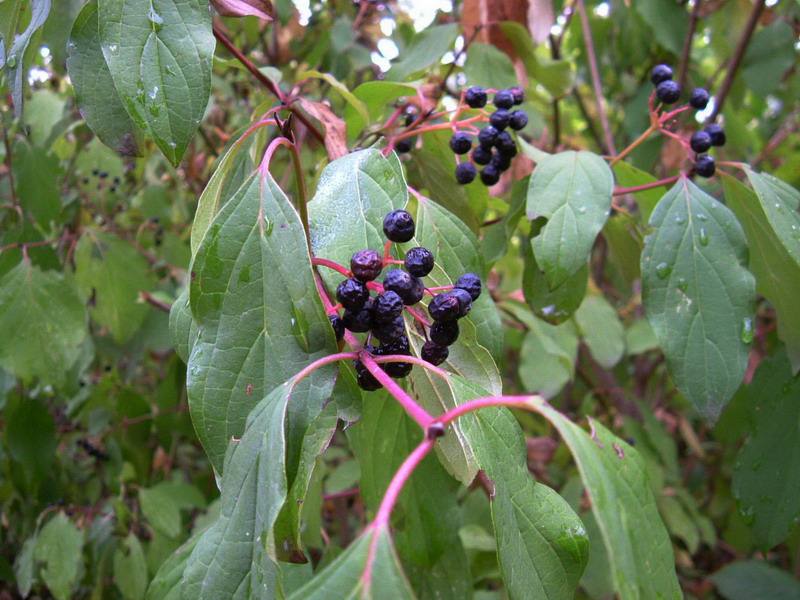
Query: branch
687, 43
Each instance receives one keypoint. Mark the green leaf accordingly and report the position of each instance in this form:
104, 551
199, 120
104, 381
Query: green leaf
36, 173
45, 110
31, 438
159, 54
162, 504
43, 321
425, 50
542, 544
557, 305
496, 237
777, 272
557, 76
698, 295
780, 203
349, 97
15, 54
100, 260
353, 575
489, 67
182, 328
95, 94
668, 22
59, 546
375, 96
613, 473
573, 191
766, 478
9, 15
548, 356
628, 176
602, 330
167, 583
639, 338
754, 580
259, 317
770, 53
130, 569
24, 567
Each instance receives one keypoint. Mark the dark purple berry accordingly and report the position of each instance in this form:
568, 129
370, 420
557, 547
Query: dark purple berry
461, 143
409, 118
506, 144
445, 307
338, 326
490, 175
444, 333
717, 134
353, 294
403, 146
700, 142
518, 94
500, 162
499, 119
488, 136
475, 97
388, 331
360, 321
419, 261
660, 73
481, 155
504, 99
465, 173
366, 380
398, 346
471, 283
668, 91
698, 99
398, 226
398, 370
705, 166
518, 120
366, 265
464, 301
434, 353
408, 287
387, 306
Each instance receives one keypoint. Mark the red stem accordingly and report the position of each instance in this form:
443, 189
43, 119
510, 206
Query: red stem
646, 186
324, 262
414, 410
462, 409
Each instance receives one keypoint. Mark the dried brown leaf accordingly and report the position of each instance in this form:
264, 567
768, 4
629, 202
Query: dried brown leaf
335, 127
262, 9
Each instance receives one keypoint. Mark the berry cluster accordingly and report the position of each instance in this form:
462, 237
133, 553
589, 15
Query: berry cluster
382, 315
668, 92
496, 147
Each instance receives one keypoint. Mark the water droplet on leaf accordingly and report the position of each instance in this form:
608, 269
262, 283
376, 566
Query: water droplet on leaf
663, 270
703, 237
747, 330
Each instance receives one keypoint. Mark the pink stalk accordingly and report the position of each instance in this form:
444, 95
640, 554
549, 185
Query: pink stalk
273, 146
510, 401
322, 362
324, 262
386, 249
437, 127
414, 410
646, 186
440, 289
410, 359
418, 316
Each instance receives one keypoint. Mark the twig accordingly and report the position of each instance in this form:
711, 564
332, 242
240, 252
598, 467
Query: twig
152, 300
687, 43
646, 186
736, 60
587, 118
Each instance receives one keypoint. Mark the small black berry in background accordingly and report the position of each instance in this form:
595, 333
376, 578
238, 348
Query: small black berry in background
700, 142
398, 226
419, 261
488, 136
470, 283
85, 180
366, 265
500, 162
475, 97
717, 134
481, 155
668, 91
409, 118
352, 294
387, 306
465, 173
506, 145
461, 143
403, 146
464, 301
698, 99
389, 331
518, 120
445, 307
408, 287
705, 166
360, 321
490, 175
504, 99
660, 73
499, 119
338, 326
434, 353
444, 333
366, 380
518, 94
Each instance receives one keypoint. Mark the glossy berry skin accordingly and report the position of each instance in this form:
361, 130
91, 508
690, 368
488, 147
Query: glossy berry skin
466, 173
518, 94
471, 283
506, 144
397, 370
409, 118
419, 261
481, 155
464, 301
366, 265
668, 91
366, 380
360, 321
445, 307
387, 307
434, 353
444, 333
499, 119
500, 162
488, 136
408, 287
461, 143
705, 166
403, 146
490, 175
717, 134
353, 294
398, 226
698, 99
399, 346
504, 99
475, 97
338, 326
660, 73
389, 331
700, 142
518, 120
